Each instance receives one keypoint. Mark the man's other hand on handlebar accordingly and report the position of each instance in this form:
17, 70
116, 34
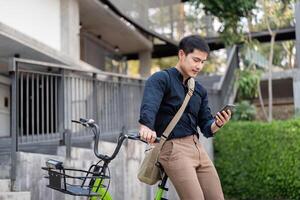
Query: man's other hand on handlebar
147, 134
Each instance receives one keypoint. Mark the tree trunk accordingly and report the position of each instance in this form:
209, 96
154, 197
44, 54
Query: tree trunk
270, 91
261, 102
181, 21
271, 55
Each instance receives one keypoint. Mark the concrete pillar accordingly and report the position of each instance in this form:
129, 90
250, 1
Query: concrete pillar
296, 80
297, 17
208, 20
296, 88
145, 63
92, 52
70, 40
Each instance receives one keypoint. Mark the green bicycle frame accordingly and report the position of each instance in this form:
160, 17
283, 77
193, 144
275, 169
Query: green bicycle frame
161, 188
102, 191
159, 194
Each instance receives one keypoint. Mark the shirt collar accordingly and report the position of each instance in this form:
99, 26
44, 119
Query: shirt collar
179, 75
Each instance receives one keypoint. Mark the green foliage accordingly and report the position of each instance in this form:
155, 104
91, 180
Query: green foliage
259, 160
247, 81
283, 53
229, 14
278, 13
244, 111
226, 8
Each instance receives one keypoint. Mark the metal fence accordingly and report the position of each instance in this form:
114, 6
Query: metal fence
112, 101
49, 96
37, 106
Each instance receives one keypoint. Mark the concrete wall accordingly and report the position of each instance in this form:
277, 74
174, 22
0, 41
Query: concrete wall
297, 17
296, 80
38, 19
70, 44
124, 182
5, 162
145, 63
123, 171
296, 89
92, 52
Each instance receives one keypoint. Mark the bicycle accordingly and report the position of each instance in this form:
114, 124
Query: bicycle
93, 182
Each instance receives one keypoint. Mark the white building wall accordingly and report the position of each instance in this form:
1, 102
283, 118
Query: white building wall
39, 19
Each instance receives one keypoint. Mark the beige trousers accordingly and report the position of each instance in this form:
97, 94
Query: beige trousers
190, 169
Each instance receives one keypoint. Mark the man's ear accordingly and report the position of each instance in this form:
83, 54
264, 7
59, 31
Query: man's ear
181, 54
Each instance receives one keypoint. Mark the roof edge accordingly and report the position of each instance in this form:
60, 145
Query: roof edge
138, 26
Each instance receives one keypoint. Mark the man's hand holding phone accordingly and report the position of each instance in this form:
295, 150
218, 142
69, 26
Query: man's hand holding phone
224, 115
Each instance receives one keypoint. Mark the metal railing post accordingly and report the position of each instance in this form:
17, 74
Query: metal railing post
121, 102
61, 103
95, 98
67, 141
14, 120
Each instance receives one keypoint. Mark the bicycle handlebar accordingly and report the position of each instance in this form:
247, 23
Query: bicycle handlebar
84, 122
91, 123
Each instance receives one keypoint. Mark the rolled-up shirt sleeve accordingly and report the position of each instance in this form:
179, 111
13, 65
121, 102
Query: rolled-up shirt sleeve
205, 118
153, 94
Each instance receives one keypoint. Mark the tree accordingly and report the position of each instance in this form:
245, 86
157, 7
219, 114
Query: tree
275, 15
274, 18
229, 14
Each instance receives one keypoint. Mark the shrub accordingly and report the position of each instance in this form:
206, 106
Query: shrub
247, 82
244, 111
259, 160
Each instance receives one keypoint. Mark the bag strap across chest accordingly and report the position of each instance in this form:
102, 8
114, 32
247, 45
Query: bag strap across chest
174, 121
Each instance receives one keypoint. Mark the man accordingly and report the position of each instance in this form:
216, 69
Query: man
183, 157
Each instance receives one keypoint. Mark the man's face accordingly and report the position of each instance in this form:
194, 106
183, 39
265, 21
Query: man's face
192, 63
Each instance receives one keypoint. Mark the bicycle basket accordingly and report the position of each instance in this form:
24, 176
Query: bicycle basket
77, 182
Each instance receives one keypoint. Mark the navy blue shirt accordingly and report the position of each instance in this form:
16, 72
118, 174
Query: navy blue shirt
163, 96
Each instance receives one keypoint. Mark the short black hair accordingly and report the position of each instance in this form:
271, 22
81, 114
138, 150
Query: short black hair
189, 43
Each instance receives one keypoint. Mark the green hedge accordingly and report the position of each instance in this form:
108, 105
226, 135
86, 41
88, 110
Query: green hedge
259, 160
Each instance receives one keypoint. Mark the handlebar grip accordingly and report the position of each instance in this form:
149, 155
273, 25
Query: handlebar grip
137, 137
84, 122
75, 121
79, 122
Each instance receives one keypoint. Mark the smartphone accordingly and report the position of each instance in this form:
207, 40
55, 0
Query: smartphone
230, 107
